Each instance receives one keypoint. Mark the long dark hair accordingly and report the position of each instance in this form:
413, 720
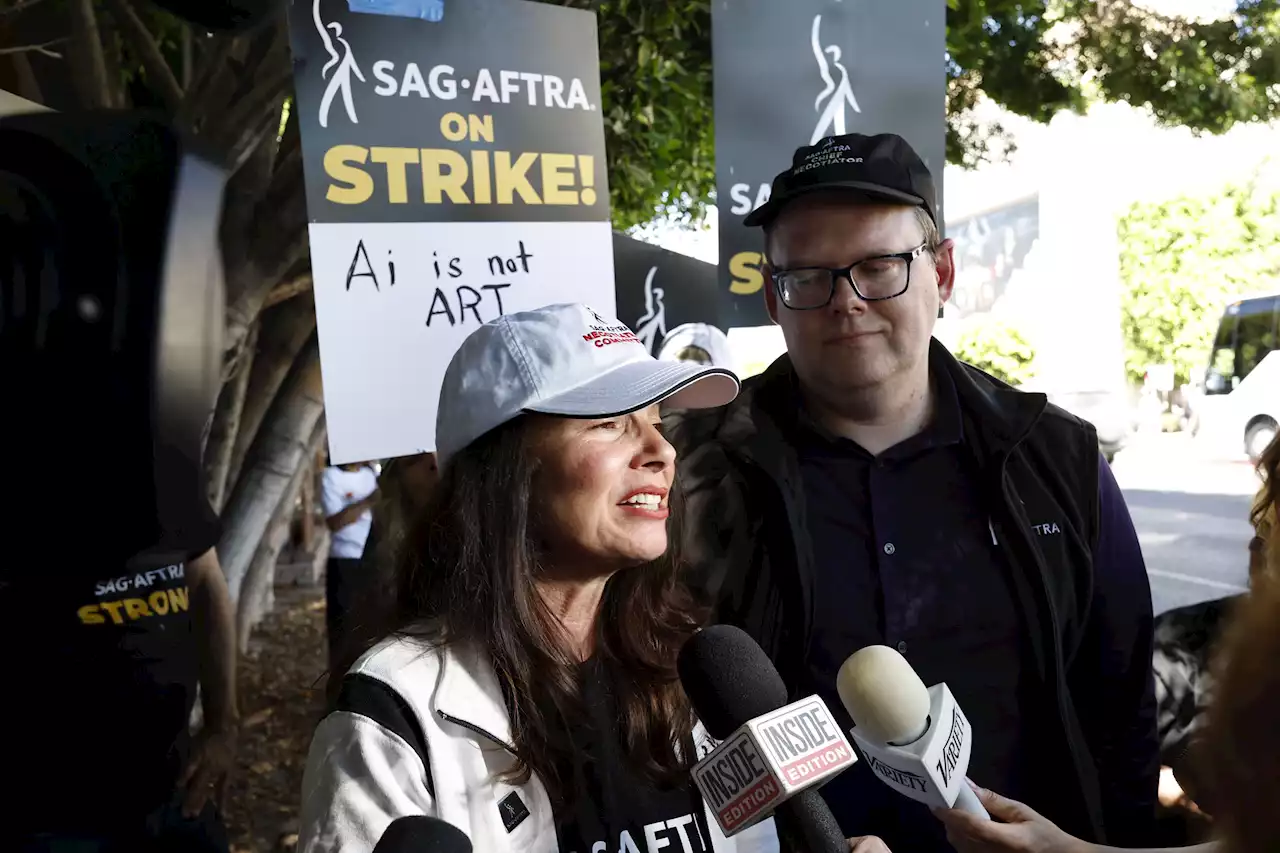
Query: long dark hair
467, 574
1263, 514
1241, 748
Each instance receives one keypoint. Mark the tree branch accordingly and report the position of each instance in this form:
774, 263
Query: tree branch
210, 65
286, 290
159, 75
188, 57
256, 592
282, 444
88, 66
226, 422
42, 48
28, 86
111, 55
259, 276
285, 331
20, 7
270, 93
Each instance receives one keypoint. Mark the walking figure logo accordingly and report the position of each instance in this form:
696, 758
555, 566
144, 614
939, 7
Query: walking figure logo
340, 82
652, 325
835, 95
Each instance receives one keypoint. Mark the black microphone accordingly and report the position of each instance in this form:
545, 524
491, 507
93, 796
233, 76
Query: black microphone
730, 682
421, 834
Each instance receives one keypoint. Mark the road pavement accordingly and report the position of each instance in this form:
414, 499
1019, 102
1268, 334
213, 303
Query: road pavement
1191, 510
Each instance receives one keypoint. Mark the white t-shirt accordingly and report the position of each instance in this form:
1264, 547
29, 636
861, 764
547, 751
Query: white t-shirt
338, 490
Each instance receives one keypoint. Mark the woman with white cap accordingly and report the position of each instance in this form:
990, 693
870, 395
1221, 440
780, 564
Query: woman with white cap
527, 690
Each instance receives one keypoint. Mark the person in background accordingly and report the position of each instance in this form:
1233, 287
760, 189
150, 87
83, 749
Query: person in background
700, 343
1239, 747
1187, 640
100, 688
525, 689
693, 353
868, 488
347, 496
404, 489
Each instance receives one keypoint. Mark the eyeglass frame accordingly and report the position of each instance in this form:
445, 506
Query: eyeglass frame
909, 257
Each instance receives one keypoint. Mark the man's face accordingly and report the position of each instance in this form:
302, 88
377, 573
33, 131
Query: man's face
851, 344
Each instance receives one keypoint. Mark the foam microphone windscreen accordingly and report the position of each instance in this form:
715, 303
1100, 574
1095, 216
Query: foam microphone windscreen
217, 16
884, 695
422, 834
728, 679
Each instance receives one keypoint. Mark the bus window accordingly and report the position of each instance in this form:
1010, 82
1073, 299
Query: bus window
1255, 339
1222, 360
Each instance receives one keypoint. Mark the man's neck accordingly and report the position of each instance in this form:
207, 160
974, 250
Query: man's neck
878, 417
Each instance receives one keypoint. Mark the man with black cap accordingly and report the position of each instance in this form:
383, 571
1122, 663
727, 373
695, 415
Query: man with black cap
869, 489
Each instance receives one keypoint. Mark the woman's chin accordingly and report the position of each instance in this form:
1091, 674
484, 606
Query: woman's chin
640, 553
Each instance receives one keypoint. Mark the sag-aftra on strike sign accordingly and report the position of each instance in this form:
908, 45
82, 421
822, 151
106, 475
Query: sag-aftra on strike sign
796, 747
455, 172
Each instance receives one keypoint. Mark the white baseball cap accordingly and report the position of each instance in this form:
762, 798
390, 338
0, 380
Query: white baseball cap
704, 336
562, 360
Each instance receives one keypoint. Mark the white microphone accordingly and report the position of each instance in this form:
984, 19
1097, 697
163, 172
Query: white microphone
770, 759
917, 740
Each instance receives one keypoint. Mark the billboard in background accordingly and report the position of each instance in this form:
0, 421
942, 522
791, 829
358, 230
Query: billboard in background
991, 251
659, 291
455, 172
789, 74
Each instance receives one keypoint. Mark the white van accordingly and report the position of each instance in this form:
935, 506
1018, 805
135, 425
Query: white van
1237, 404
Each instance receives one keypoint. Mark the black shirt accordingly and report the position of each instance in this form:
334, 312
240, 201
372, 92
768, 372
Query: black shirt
904, 556
100, 685
617, 807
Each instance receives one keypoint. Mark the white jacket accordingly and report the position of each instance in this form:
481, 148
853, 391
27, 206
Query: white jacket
363, 772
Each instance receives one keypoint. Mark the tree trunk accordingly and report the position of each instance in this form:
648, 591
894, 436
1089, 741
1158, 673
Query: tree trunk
256, 597
285, 330
226, 424
276, 454
307, 524
86, 58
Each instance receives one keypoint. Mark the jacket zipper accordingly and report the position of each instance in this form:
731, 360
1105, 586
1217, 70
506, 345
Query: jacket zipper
473, 728
1055, 658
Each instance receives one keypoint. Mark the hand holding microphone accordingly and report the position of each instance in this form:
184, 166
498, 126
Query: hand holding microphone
916, 739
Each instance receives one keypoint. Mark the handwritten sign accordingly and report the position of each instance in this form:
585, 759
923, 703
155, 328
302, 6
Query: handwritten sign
455, 172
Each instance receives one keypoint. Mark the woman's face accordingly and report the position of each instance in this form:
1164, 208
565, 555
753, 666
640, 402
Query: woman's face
601, 490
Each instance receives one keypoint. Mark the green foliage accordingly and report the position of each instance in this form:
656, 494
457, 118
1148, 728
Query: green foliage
998, 347
1207, 76
997, 48
655, 79
1033, 57
1181, 261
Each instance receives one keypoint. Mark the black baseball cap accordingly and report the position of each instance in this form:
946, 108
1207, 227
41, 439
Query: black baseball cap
880, 168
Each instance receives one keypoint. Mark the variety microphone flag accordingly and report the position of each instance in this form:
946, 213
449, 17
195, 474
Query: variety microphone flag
770, 758
917, 740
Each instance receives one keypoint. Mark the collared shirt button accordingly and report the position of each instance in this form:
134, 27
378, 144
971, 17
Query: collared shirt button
902, 647
889, 549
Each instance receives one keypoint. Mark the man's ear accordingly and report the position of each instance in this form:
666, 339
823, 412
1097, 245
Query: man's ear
944, 262
770, 295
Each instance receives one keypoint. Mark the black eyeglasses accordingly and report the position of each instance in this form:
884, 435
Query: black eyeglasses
873, 279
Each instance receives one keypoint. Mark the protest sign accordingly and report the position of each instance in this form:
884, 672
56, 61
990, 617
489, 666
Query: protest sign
790, 74
659, 290
455, 172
